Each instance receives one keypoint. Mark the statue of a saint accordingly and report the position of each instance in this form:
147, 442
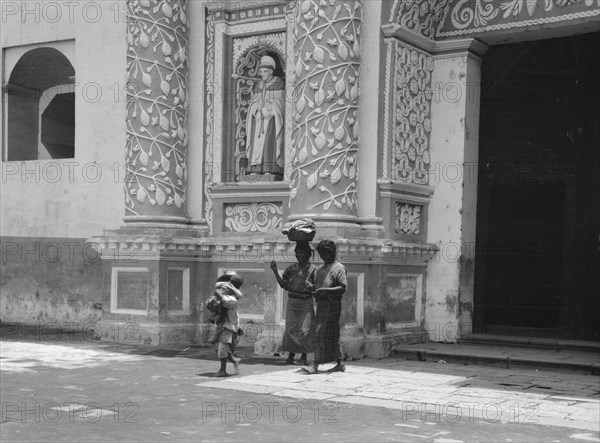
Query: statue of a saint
265, 122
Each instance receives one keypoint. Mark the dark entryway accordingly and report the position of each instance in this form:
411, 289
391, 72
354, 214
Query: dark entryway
538, 220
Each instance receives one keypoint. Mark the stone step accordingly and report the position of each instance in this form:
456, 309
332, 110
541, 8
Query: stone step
503, 355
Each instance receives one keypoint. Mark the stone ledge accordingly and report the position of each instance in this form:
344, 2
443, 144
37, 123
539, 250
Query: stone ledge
353, 248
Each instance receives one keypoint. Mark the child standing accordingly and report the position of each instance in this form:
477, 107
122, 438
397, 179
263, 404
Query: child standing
227, 291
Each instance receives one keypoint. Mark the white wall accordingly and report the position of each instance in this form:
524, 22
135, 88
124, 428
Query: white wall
76, 197
452, 211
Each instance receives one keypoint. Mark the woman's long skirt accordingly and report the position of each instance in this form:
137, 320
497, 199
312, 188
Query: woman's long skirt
298, 319
326, 331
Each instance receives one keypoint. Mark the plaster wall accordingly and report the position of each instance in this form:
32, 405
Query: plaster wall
82, 196
453, 173
53, 283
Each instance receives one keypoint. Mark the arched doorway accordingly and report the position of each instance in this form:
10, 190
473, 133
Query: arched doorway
538, 216
41, 107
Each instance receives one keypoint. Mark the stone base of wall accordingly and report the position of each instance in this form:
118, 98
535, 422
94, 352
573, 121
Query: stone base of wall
147, 333
354, 346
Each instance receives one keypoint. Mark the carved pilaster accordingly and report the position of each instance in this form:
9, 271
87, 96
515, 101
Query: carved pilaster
325, 129
412, 115
157, 97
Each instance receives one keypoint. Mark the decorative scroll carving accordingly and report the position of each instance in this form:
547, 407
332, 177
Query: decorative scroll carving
253, 217
243, 44
209, 98
420, 16
408, 218
325, 129
157, 74
412, 122
472, 16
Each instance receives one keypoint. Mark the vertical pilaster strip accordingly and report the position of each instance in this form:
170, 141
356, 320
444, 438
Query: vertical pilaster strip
386, 110
157, 98
324, 168
412, 115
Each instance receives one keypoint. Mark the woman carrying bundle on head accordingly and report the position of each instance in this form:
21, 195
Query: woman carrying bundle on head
299, 313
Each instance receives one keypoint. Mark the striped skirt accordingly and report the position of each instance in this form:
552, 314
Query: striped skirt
298, 319
326, 330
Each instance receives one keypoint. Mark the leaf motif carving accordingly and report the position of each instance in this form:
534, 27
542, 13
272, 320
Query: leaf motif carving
320, 141
164, 122
167, 10
336, 175
165, 164
343, 51
165, 87
303, 155
144, 40
145, 118
141, 195
178, 200
300, 105
319, 55
319, 97
144, 158
312, 180
161, 197
147, 79
305, 6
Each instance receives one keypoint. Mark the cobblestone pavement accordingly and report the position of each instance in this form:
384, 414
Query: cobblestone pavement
94, 391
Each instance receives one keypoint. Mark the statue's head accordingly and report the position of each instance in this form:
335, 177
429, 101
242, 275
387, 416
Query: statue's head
267, 62
266, 67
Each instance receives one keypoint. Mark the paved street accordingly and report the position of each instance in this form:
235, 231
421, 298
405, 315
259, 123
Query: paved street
94, 391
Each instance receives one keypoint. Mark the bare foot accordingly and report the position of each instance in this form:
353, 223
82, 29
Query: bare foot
236, 361
221, 374
340, 367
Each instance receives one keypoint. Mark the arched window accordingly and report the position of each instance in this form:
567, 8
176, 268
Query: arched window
40, 107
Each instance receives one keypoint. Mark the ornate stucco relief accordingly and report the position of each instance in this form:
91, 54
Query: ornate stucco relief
325, 122
253, 217
420, 16
452, 18
157, 74
411, 115
408, 218
465, 17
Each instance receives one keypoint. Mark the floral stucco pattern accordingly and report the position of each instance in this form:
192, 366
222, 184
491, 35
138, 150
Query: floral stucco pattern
157, 97
412, 115
325, 122
471, 15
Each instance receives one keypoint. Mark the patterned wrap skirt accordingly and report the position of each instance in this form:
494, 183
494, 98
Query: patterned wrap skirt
298, 320
326, 330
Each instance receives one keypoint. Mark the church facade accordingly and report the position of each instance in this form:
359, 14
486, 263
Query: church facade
449, 148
